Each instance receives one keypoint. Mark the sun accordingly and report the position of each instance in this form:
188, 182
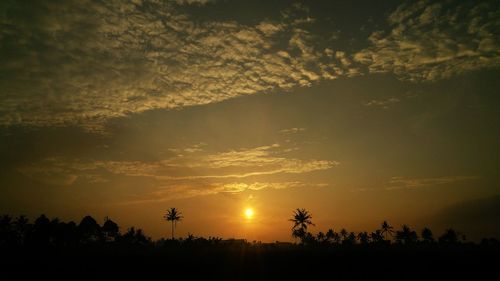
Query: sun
249, 213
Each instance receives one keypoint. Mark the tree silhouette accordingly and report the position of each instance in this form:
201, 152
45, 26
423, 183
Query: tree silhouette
301, 220
110, 230
21, 225
309, 239
41, 231
343, 234
7, 234
57, 232
329, 236
386, 229
332, 236
364, 238
406, 235
321, 237
427, 235
52, 246
299, 233
377, 237
134, 237
89, 230
173, 215
48, 233
350, 239
450, 236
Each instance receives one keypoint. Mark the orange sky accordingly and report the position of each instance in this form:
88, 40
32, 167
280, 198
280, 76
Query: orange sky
357, 111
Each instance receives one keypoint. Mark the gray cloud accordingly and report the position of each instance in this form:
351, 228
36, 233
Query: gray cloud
477, 218
432, 40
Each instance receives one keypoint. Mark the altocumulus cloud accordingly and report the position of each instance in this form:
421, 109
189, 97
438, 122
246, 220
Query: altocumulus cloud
432, 40
83, 62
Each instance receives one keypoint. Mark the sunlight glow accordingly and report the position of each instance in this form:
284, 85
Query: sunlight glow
249, 213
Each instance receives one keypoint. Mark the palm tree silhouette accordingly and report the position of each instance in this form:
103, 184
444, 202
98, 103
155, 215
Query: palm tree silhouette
344, 233
427, 235
406, 235
329, 235
377, 237
364, 238
332, 236
450, 236
21, 224
301, 219
386, 229
350, 239
321, 237
173, 215
336, 238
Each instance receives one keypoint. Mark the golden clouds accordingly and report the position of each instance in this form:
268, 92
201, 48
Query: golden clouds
192, 172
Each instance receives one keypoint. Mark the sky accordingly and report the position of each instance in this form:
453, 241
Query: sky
358, 111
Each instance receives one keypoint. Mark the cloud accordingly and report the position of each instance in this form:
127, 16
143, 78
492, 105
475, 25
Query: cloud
432, 40
293, 130
409, 183
190, 149
182, 191
194, 165
194, 2
269, 28
71, 64
477, 218
383, 103
240, 187
402, 183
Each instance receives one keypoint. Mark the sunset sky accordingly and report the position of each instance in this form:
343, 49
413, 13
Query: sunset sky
358, 111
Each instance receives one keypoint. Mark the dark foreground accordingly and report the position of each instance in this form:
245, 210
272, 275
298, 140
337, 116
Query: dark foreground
253, 262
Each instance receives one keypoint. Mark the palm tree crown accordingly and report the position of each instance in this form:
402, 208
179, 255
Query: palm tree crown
427, 235
301, 219
173, 215
386, 229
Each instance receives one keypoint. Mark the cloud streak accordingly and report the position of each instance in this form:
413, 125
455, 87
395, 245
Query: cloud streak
409, 183
383, 103
191, 166
293, 130
182, 191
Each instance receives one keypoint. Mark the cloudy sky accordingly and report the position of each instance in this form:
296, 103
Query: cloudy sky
358, 111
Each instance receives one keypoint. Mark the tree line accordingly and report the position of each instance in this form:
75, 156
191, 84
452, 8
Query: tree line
385, 235
43, 231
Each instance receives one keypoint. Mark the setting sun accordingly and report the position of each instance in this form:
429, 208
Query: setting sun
249, 213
